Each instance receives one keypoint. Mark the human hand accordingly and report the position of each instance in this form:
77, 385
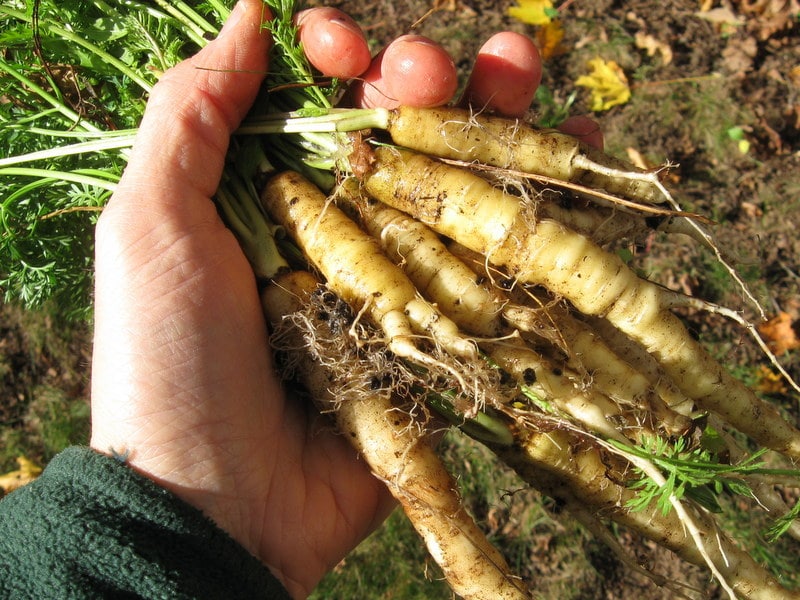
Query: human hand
182, 376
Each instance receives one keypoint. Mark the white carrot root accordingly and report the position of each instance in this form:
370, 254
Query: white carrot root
486, 220
574, 471
440, 277
466, 136
531, 245
618, 378
357, 270
477, 308
402, 456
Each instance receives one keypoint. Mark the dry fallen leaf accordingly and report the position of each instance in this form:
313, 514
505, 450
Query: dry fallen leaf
780, 334
532, 12
765, 18
794, 75
647, 42
607, 83
636, 159
769, 382
549, 38
723, 18
27, 472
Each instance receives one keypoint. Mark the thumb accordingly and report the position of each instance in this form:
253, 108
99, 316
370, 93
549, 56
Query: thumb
194, 108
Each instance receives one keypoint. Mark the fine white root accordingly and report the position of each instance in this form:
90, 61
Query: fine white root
682, 300
506, 143
399, 452
480, 309
356, 269
573, 468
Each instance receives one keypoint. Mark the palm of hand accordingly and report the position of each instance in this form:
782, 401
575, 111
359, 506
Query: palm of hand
182, 376
178, 318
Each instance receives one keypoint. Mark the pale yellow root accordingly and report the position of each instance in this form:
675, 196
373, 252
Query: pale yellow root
604, 226
477, 308
440, 277
593, 410
402, 456
475, 138
356, 269
605, 369
488, 221
573, 470
463, 135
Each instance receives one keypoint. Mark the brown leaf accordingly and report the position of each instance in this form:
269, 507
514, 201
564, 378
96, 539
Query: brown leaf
651, 45
780, 333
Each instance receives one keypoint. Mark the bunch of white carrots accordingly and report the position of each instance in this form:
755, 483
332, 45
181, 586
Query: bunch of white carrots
435, 277
428, 268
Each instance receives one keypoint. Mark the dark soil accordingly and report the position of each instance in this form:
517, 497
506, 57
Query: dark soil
734, 67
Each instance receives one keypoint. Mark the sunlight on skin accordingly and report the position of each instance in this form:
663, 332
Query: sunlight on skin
507, 71
182, 376
333, 42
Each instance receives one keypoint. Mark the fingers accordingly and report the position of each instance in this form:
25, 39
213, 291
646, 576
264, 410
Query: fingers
412, 70
333, 42
507, 71
585, 129
193, 109
416, 71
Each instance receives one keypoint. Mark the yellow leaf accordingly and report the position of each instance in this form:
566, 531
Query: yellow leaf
26, 473
532, 12
607, 83
549, 38
769, 382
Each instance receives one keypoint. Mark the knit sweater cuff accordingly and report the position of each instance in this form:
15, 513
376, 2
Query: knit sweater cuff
91, 527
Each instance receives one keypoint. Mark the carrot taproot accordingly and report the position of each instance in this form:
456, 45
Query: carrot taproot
355, 267
483, 310
572, 469
461, 134
487, 220
397, 449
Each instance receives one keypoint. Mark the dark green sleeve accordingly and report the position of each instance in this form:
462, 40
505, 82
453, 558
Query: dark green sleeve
90, 527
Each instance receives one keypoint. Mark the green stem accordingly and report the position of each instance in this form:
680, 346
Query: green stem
190, 28
196, 18
223, 12
70, 176
330, 121
101, 145
483, 426
127, 134
681, 466
71, 36
251, 227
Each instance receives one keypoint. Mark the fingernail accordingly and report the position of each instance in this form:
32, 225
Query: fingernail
348, 24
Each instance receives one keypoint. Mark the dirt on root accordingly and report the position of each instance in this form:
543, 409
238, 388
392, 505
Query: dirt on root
715, 94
